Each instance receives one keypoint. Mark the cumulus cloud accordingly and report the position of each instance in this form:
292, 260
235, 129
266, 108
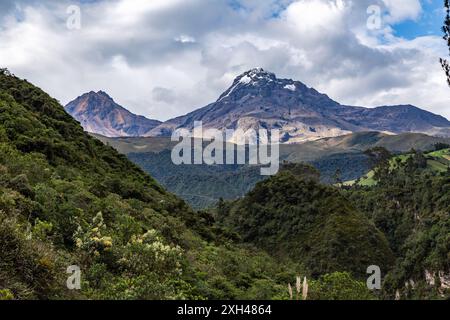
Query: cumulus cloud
164, 58
399, 10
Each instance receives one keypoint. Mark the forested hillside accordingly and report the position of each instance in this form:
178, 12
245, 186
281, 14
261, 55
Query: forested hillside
293, 215
202, 186
401, 224
67, 199
338, 159
410, 204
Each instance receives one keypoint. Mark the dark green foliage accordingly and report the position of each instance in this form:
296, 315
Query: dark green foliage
441, 146
29, 269
203, 185
446, 31
349, 166
294, 216
339, 286
200, 185
66, 198
411, 206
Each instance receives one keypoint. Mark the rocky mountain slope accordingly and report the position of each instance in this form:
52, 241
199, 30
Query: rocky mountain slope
98, 113
258, 99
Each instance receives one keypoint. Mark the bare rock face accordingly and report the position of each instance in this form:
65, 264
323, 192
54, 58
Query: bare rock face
444, 278
258, 99
98, 113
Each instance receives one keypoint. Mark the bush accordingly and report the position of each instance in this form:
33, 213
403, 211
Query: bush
339, 286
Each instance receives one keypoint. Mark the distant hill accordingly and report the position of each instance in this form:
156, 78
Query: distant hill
310, 150
98, 113
202, 185
291, 214
128, 145
435, 162
258, 99
359, 142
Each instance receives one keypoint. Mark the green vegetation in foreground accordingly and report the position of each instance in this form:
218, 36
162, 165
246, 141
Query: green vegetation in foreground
410, 204
293, 215
67, 199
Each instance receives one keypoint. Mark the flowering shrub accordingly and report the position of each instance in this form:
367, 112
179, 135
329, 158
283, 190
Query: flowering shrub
149, 252
92, 240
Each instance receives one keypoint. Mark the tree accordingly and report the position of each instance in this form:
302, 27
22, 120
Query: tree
441, 146
338, 177
5, 71
379, 157
340, 286
446, 29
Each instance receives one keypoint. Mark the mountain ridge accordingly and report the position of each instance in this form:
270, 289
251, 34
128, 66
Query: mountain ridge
258, 99
99, 113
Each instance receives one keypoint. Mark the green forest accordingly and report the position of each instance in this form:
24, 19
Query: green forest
68, 199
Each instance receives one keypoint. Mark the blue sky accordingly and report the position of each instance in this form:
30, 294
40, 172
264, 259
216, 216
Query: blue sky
429, 22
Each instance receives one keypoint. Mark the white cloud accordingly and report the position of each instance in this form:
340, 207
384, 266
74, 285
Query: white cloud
164, 58
185, 39
400, 10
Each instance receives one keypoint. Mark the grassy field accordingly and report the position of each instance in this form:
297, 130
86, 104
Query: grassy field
437, 161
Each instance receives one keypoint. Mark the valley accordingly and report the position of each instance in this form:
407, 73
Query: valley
203, 185
68, 198
205, 159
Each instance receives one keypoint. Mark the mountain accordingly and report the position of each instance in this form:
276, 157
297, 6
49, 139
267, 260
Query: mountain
258, 99
67, 199
98, 113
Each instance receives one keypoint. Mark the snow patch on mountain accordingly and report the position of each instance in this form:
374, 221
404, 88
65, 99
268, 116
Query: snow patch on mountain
291, 87
245, 80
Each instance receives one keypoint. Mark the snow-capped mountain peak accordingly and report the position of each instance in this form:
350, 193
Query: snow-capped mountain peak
258, 99
256, 79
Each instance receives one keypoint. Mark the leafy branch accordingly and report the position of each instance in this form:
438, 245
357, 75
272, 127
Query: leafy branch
446, 29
